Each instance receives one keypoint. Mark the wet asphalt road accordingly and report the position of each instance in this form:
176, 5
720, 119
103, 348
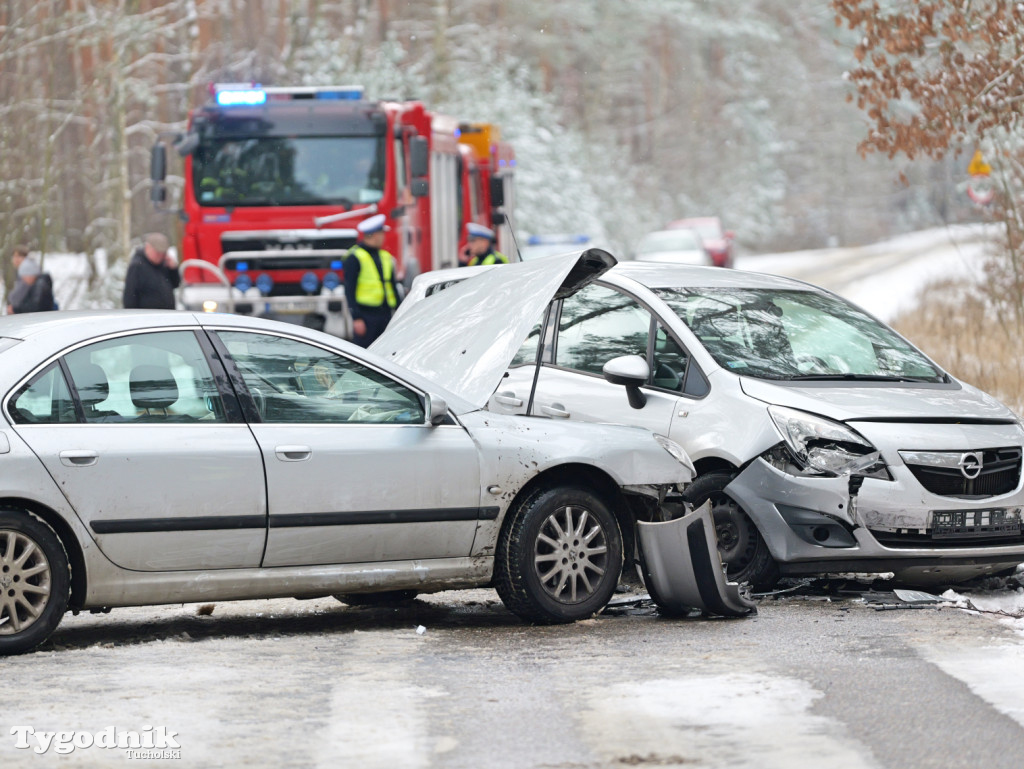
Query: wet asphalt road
806, 683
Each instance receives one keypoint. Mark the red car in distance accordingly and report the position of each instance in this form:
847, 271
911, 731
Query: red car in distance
717, 242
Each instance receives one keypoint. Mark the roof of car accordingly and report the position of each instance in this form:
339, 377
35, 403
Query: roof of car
660, 275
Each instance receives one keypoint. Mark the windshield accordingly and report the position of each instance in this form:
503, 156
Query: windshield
669, 240
293, 170
796, 335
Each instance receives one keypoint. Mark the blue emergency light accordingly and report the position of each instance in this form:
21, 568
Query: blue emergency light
309, 282
241, 97
243, 282
331, 281
264, 283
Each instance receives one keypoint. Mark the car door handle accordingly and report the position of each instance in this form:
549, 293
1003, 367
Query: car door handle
555, 410
293, 453
508, 398
78, 458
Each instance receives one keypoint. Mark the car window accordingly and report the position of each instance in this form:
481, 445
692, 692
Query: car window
296, 382
668, 369
160, 377
44, 399
789, 334
598, 324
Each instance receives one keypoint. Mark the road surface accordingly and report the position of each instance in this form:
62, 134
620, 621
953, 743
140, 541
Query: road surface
455, 680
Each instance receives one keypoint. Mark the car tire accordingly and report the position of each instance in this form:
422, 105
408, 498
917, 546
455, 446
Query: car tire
35, 581
559, 556
383, 598
741, 546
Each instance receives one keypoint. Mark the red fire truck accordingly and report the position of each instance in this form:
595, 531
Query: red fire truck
276, 180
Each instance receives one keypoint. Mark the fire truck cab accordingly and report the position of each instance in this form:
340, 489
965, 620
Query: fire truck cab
276, 180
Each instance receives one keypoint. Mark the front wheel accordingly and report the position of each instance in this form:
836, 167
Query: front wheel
559, 556
35, 582
740, 545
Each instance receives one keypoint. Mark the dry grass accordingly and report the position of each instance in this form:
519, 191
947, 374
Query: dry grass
956, 325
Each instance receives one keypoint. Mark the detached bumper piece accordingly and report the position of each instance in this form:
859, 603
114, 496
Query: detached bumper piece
682, 570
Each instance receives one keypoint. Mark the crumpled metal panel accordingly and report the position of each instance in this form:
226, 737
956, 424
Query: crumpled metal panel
465, 337
682, 569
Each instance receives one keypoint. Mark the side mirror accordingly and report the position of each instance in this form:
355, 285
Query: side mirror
419, 156
158, 162
186, 145
497, 191
419, 187
437, 410
631, 371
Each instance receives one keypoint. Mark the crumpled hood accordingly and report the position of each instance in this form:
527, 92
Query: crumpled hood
465, 337
874, 401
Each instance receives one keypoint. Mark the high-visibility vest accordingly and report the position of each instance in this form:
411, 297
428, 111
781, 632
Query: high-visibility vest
371, 288
491, 257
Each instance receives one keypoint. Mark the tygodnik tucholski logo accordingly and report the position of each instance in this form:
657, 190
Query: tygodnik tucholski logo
149, 743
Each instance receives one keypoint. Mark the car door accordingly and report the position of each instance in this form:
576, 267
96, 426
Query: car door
355, 473
595, 325
149, 451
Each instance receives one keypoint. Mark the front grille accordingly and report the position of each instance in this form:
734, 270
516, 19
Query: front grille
1000, 474
915, 539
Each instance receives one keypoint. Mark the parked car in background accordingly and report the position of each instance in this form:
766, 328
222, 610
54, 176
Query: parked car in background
166, 457
717, 242
824, 441
678, 246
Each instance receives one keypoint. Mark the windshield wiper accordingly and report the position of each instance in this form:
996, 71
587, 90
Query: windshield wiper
860, 378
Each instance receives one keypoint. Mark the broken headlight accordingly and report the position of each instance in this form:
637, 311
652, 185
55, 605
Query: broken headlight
678, 452
823, 446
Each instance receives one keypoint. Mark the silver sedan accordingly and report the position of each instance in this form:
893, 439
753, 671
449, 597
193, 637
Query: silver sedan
164, 457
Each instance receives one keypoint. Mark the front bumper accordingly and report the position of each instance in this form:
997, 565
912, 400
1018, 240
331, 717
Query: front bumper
813, 524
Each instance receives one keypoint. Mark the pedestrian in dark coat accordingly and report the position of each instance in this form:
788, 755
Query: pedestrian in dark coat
152, 276
34, 291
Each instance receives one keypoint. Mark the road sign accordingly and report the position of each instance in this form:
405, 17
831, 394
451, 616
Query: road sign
978, 166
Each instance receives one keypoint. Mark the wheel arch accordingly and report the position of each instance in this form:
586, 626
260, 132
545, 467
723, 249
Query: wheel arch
72, 547
593, 478
706, 465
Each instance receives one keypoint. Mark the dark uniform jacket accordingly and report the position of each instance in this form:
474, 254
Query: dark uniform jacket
149, 286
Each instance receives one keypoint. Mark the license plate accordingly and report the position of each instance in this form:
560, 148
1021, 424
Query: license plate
997, 522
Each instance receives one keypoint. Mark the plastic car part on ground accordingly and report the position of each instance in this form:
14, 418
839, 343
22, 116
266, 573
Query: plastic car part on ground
682, 569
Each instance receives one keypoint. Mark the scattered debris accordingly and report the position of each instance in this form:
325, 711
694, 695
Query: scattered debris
917, 597
420, 630
205, 610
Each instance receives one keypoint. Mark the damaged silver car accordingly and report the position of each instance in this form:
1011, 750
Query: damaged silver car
823, 440
166, 457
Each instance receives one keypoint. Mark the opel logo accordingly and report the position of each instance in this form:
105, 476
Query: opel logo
970, 465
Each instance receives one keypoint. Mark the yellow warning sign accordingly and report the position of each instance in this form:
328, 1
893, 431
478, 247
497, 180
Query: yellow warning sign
978, 166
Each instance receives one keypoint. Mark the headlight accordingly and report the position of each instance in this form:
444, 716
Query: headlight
826, 446
678, 452
210, 306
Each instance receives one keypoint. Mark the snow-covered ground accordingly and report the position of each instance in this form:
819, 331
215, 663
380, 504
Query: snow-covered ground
884, 278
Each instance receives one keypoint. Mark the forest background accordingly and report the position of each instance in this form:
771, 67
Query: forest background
624, 115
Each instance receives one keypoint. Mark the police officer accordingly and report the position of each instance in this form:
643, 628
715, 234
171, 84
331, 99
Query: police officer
370, 282
480, 248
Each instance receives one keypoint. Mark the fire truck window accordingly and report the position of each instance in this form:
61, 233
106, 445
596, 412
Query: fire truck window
474, 194
400, 181
292, 170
